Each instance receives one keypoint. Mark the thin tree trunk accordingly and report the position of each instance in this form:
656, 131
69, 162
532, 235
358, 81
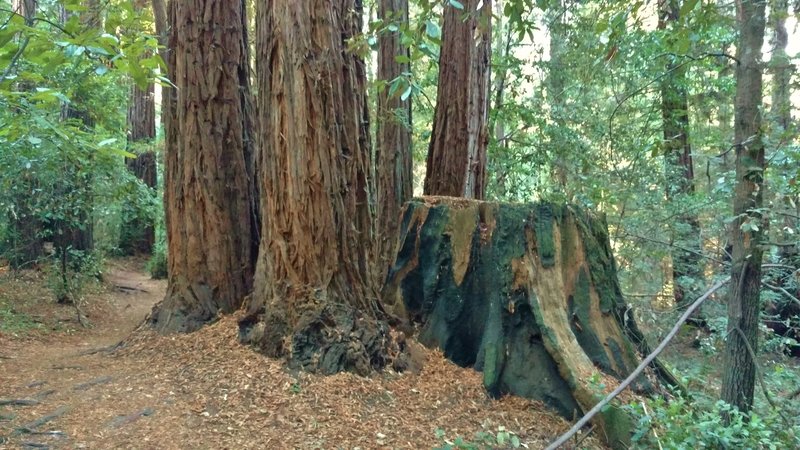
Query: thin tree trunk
25, 227
679, 170
208, 200
748, 228
457, 152
315, 297
555, 95
784, 131
393, 146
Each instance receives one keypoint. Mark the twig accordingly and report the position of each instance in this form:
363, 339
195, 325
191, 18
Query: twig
638, 371
18, 402
782, 291
658, 440
14, 59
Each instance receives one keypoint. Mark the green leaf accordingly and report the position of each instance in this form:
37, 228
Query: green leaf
456, 4
105, 142
406, 94
432, 29
34, 140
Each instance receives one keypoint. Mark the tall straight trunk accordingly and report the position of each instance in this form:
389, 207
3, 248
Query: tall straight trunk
25, 228
393, 146
738, 379
137, 233
457, 152
555, 95
784, 131
315, 297
679, 170
207, 200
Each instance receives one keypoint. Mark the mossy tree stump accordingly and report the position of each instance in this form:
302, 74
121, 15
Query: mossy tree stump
525, 293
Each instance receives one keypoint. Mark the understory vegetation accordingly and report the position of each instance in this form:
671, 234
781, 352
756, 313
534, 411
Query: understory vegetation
631, 110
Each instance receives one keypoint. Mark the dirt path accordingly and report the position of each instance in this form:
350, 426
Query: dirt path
65, 389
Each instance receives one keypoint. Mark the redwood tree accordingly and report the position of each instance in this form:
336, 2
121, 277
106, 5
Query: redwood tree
678, 167
457, 152
207, 195
748, 227
393, 146
314, 299
138, 234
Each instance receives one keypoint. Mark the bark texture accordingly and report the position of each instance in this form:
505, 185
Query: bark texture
315, 298
748, 228
207, 196
457, 152
679, 169
525, 293
393, 134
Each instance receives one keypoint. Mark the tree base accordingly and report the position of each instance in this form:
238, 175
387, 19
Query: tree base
525, 293
329, 339
186, 308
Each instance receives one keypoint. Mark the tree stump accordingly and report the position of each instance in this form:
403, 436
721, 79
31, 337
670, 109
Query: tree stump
525, 293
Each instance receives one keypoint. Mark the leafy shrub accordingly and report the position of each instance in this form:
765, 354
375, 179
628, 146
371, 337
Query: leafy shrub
157, 265
676, 424
483, 440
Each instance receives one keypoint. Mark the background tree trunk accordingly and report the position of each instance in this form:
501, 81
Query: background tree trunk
315, 296
525, 293
393, 146
207, 198
138, 234
25, 227
748, 228
679, 170
457, 152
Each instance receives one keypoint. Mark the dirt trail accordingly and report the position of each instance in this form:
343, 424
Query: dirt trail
203, 390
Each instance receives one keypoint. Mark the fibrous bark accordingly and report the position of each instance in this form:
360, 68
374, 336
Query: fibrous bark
526, 293
207, 196
748, 227
393, 134
315, 299
457, 151
679, 169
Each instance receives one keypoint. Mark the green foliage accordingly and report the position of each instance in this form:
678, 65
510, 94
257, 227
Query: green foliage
678, 424
63, 116
157, 264
483, 440
14, 322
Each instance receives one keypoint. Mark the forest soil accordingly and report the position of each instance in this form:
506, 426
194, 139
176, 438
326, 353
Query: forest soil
78, 389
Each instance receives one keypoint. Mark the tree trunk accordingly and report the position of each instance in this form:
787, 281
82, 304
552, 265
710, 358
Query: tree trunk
315, 295
525, 293
784, 131
138, 234
457, 152
748, 227
207, 198
25, 228
393, 146
679, 171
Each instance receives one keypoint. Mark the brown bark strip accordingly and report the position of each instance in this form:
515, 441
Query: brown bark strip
207, 195
457, 151
393, 146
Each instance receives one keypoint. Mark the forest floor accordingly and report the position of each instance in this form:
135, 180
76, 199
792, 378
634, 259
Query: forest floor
65, 386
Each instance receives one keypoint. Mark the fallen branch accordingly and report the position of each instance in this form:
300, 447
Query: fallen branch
90, 383
782, 291
638, 371
18, 402
31, 426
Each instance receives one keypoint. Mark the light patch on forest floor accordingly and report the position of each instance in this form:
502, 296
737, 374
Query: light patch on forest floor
204, 390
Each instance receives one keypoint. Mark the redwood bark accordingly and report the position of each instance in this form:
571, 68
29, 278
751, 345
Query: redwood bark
738, 379
207, 196
679, 169
457, 152
315, 299
393, 146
